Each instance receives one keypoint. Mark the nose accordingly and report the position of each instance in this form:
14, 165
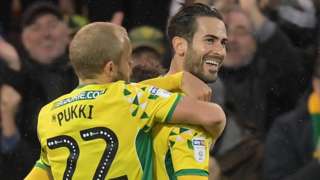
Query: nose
45, 32
219, 49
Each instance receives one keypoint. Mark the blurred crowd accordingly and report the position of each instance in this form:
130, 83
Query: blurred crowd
268, 84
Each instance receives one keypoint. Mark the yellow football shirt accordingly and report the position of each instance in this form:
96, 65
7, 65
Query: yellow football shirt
178, 149
103, 131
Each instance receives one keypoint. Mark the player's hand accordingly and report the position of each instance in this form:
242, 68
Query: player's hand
194, 87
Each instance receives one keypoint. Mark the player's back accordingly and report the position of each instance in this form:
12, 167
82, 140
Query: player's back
95, 132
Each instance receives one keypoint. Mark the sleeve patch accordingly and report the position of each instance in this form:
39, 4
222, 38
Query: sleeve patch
199, 148
159, 92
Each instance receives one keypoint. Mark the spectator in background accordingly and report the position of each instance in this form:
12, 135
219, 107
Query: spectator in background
147, 53
134, 13
47, 74
175, 5
9, 98
260, 67
73, 14
297, 19
290, 148
146, 64
5, 15
9, 55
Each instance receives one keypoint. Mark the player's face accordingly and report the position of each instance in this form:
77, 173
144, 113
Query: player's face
208, 49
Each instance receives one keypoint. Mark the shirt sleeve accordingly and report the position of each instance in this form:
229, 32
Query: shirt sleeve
39, 171
170, 82
43, 159
40, 132
189, 149
150, 105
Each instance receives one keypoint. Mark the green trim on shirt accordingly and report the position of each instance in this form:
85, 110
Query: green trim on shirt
144, 150
169, 166
41, 165
197, 172
170, 114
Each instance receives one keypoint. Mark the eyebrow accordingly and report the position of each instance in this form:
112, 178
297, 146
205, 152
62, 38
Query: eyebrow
215, 37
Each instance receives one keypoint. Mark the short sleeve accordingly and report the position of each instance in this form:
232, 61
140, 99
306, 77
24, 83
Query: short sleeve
150, 105
43, 161
39, 171
169, 82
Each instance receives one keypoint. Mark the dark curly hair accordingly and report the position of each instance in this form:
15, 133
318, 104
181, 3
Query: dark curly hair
183, 23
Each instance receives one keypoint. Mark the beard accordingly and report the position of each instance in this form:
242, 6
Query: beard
194, 64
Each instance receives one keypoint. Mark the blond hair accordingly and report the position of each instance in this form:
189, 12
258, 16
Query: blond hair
93, 46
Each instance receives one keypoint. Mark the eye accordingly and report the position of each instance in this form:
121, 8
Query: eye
224, 43
210, 41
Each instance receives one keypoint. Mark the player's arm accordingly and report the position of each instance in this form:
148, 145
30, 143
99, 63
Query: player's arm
39, 171
208, 115
162, 106
182, 82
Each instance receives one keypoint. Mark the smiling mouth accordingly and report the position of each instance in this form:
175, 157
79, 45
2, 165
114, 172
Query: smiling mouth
212, 62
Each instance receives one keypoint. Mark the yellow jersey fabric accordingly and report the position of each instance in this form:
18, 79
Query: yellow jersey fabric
39, 171
178, 149
103, 131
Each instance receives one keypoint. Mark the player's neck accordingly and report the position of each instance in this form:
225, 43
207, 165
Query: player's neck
98, 80
177, 65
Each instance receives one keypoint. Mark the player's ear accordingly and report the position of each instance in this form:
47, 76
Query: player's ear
109, 69
180, 45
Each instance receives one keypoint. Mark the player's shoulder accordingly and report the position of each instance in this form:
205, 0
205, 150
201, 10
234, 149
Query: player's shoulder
82, 92
138, 87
